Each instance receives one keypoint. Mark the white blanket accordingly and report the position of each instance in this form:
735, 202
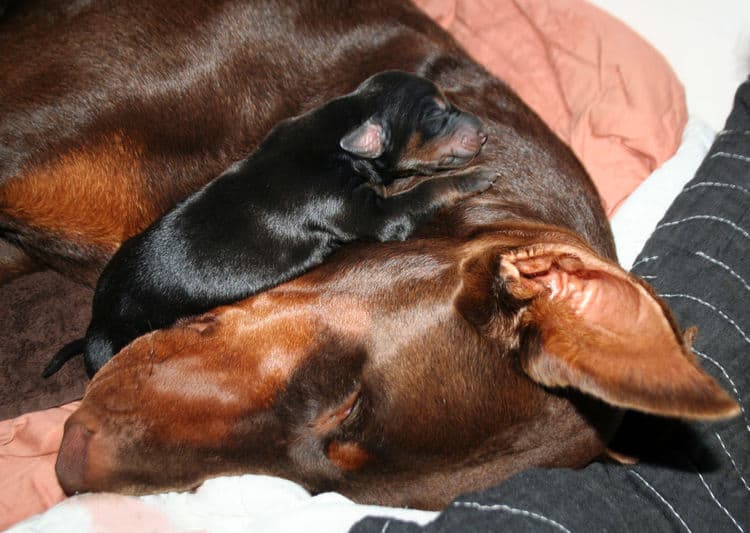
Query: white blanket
222, 505
637, 217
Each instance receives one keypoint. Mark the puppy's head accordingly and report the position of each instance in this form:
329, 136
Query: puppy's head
411, 127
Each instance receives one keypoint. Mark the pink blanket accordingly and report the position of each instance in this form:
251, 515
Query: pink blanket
600, 87
596, 83
28, 450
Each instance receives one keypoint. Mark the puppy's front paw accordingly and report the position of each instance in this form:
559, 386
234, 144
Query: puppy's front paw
480, 181
474, 181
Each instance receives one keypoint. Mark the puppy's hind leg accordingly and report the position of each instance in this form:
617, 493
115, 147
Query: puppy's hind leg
99, 350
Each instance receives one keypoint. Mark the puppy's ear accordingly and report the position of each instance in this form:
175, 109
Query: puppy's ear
588, 324
366, 140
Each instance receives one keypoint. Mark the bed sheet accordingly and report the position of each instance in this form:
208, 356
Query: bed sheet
707, 44
638, 215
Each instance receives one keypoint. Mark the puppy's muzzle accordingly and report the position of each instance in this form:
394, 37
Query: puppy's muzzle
467, 136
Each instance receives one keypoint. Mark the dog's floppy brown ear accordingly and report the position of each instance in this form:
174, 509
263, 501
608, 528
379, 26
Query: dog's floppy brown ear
604, 332
366, 140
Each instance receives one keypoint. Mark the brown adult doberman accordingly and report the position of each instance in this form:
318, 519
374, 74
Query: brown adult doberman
398, 373
403, 374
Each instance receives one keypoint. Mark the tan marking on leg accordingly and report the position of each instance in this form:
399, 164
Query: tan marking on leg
94, 195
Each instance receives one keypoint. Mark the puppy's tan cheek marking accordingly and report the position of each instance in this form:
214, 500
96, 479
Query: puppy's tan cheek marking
412, 154
417, 153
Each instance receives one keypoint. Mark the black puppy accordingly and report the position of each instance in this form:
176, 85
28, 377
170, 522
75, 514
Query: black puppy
317, 181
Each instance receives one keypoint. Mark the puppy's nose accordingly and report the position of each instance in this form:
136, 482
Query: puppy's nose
473, 141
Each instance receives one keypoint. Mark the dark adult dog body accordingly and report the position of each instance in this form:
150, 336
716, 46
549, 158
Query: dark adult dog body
397, 373
305, 191
101, 131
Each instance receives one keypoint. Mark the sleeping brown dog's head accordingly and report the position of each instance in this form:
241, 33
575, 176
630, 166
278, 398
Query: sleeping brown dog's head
406, 377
